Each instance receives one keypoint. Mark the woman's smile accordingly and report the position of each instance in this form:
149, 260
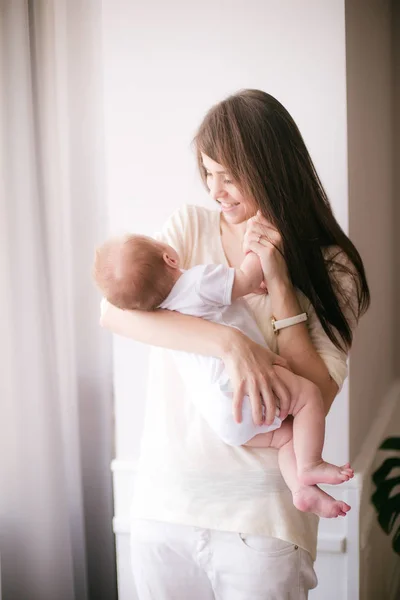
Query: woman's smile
228, 206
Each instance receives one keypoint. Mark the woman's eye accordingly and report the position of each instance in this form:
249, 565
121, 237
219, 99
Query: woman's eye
208, 175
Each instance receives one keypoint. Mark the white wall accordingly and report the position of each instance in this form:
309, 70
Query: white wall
165, 64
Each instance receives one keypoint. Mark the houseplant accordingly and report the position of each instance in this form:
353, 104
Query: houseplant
386, 498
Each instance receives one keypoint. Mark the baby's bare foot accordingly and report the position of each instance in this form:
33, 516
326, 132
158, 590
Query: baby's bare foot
324, 472
313, 499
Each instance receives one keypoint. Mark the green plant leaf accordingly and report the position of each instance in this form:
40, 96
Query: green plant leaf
388, 512
381, 474
381, 496
396, 541
386, 504
387, 517
392, 443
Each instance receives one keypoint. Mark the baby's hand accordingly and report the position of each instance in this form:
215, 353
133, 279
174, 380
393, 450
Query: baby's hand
261, 291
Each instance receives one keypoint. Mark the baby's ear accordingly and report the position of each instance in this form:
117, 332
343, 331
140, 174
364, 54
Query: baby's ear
171, 262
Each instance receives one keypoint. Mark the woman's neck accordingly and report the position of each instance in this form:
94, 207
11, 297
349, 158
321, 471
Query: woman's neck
232, 241
233, 230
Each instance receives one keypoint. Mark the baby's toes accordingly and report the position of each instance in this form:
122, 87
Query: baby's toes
348, 473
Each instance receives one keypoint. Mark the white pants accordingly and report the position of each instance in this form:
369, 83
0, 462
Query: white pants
177, 562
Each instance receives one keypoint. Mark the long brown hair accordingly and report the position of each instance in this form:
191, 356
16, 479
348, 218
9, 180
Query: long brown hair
254, 137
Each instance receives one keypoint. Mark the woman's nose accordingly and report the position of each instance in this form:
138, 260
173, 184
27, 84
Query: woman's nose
217, 190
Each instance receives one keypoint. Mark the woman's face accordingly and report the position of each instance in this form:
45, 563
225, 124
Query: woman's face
235, 207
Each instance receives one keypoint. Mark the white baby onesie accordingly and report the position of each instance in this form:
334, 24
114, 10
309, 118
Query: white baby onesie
206, 291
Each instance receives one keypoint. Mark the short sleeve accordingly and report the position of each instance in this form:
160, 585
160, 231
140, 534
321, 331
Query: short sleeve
335, 359
177, 232
215, 285
345, 284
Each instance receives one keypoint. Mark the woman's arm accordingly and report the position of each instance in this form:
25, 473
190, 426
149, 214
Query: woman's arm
307, 348
295, 344
168, 329
249, 366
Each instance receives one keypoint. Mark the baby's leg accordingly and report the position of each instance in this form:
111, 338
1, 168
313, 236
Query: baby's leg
308, 432
261, 440
307, 498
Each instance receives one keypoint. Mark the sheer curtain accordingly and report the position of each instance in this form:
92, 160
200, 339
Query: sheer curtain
56, 537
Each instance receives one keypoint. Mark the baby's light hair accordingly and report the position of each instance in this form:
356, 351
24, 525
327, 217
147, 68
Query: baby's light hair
131, 272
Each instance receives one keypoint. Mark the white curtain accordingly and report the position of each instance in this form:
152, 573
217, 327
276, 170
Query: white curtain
56, 538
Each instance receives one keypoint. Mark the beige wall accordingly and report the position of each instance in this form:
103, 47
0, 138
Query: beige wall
368, 50
396, 173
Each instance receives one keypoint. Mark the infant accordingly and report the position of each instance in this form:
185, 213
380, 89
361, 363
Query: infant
135, 272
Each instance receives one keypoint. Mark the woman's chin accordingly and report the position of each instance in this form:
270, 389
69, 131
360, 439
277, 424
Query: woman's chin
235, 217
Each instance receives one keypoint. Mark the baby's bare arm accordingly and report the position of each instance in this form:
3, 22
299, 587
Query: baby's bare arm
248, 277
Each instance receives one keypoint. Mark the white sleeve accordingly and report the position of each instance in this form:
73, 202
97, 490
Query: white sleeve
346, 287
334, 359
215, 285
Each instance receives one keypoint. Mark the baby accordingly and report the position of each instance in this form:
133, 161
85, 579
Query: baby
136, 272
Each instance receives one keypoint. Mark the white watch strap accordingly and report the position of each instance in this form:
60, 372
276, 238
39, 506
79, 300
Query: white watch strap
282, 323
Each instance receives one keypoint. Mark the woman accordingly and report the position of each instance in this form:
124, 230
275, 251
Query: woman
211, 520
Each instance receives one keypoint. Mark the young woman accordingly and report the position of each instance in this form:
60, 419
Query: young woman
212, 521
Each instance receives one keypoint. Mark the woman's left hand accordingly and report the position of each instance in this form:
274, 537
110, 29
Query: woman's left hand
264, 239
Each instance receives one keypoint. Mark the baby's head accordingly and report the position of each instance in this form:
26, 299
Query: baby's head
135, 272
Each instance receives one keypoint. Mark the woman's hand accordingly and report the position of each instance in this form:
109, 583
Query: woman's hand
250, 369
263, 239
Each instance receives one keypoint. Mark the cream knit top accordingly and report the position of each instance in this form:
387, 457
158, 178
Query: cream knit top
186, 474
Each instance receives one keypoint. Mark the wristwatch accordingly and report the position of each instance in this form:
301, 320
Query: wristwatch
282, 323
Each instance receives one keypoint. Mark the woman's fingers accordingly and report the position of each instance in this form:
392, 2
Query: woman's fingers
281, 362
260, 220
283, 395
268, 392
259, 232
256, 402
250, 368
269, 403
261, 227
237, 402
